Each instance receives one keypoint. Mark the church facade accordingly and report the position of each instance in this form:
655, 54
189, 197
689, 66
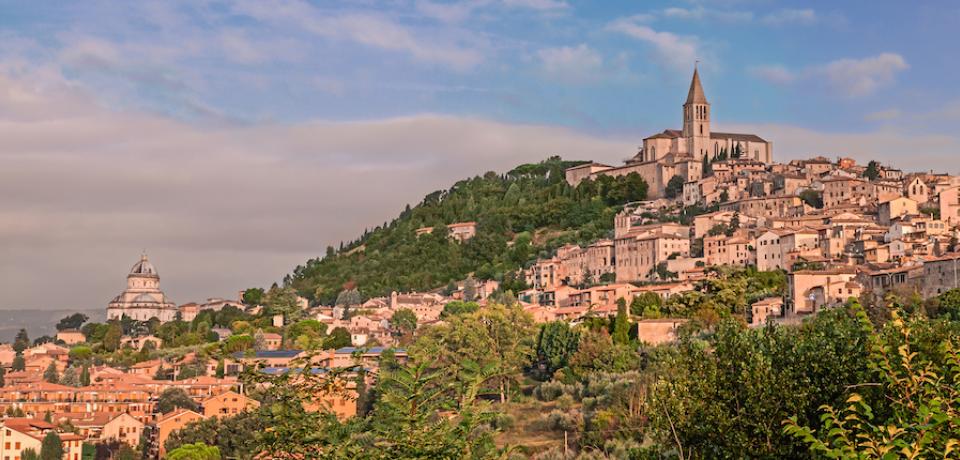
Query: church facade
681, 152
142, 299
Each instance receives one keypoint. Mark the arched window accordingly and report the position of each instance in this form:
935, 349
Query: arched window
716, 148
701, 130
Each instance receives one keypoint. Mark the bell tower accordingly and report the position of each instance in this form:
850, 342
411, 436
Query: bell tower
696, 119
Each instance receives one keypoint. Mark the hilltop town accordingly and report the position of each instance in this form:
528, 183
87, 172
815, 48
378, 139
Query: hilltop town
697, 228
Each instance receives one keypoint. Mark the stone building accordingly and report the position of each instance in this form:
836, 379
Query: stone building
142, 299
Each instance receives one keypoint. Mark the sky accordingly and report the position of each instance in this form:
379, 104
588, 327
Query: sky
233, 140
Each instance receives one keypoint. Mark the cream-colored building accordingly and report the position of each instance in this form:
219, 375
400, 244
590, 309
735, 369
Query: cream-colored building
809, 291
124, 428
680, 152
950, 205
142, 299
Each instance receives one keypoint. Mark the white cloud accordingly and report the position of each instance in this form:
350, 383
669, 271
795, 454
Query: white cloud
540, 5
372, 30
84, 189
790, 16
773, 73
573, 64
701, 13
446, 12
859, 77
850, 77
677, 52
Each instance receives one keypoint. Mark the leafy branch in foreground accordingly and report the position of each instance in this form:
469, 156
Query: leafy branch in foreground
923, 418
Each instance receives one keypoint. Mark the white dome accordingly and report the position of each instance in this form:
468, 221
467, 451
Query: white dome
144, 268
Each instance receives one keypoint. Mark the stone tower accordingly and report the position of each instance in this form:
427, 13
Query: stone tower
696, 119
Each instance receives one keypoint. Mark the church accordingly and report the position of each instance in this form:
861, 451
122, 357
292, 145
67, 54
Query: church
142, 299
681, 152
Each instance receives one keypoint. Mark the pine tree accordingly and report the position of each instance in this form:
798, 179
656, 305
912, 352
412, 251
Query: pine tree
3, 373
51, 375
621, 325
85, 376
19, 363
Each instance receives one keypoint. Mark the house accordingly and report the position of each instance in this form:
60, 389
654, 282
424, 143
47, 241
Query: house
124, 428
895, 208
19, 434
172, 422
941, 274
71, 336
227, 404
270, 340
809, 291
658, 331
765, 308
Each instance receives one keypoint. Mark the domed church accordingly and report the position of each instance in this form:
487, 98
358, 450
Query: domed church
143, 298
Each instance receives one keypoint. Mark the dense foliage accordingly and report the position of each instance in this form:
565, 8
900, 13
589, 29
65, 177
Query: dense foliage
518, 214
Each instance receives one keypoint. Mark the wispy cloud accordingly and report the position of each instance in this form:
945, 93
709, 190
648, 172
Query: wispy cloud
676, 52
851, 77
369, 29
773, 18
572, 64
790, 16
860, 77
773, 73
540, 5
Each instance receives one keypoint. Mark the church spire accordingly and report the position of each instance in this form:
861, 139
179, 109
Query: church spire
696, 96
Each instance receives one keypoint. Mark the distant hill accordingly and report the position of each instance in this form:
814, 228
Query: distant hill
526, 212
39, 322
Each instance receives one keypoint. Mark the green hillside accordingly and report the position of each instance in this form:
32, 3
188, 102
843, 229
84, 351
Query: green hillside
528, 211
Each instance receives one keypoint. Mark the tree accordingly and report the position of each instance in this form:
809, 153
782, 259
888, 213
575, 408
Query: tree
173, 398
3, 373
253, 296
556, 343
674, 187
470, 289
19, 363
812, 198
51, 448
194, 452
69, 377
29, 454
921, 420
22, 341
85, 376
72, 322
111, 340
706, 167
948, 305
458, 307
339, 337
621, 324
283, 301
732, 395
80, 353
50, 375
235, 436
873, 170
404, 321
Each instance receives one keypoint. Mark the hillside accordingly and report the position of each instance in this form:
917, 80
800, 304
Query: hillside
527, 211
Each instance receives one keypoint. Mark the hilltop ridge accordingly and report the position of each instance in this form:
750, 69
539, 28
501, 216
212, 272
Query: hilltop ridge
519, 214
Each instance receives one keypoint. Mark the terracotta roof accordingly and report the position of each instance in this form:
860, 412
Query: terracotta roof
737, 137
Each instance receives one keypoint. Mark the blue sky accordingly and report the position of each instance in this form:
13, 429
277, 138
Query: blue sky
235, 139
603, 67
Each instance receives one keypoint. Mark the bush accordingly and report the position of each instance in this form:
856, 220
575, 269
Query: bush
558, 420
550, 391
